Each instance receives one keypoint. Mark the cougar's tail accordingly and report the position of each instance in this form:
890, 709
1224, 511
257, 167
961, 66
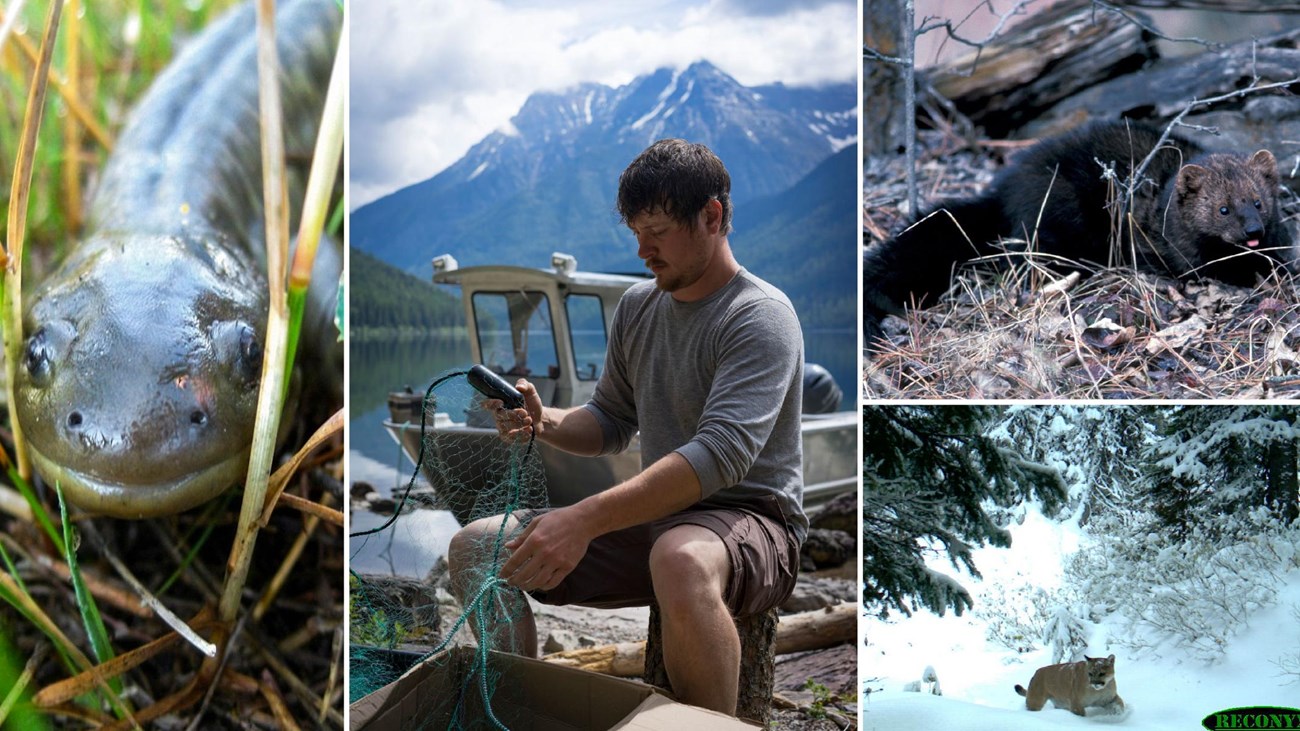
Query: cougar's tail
916, 266
1021, 690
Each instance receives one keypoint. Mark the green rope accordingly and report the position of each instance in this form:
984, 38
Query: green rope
425, 407
491, 593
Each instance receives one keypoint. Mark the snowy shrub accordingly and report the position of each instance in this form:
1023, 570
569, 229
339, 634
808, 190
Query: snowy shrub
1066, 634
1195, 592
929, 683
1016, 615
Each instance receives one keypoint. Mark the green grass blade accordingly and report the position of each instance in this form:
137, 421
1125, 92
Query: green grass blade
297, 303
90, 616
38, 510
23, 609
315, 207
15, 706
204, 526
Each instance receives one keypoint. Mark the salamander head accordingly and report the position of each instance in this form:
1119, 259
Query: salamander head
137, 387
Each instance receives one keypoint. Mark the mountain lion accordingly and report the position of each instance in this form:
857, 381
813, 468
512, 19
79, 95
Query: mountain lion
1075, 685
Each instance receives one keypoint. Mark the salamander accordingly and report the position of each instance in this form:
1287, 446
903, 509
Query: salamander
139, 377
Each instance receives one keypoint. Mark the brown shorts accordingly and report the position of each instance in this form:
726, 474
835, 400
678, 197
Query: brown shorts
615, 572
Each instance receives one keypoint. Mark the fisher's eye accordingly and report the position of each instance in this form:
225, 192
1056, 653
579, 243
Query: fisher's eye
1223, 210
1259, 205
236, 343
44, 348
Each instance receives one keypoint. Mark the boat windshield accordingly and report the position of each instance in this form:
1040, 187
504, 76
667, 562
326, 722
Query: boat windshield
515, 335
587, 331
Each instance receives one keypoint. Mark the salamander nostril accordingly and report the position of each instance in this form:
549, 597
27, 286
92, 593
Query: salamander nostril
74, 420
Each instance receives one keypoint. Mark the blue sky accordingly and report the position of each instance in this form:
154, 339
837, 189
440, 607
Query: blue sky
429, 79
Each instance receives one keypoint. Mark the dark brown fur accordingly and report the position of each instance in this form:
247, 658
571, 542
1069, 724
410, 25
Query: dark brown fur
1192, 217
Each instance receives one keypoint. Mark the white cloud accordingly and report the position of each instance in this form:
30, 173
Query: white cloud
428, 80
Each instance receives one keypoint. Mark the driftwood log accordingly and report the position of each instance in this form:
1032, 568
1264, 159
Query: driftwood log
794, 633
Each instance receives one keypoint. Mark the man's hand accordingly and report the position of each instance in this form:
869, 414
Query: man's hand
517, 425
548, 549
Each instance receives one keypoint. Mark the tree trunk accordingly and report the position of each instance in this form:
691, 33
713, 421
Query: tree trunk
884, 125
757, 662
1283, 486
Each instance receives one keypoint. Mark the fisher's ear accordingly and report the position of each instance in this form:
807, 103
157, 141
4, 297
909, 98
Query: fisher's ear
1265, 164
1191, 180
46, 347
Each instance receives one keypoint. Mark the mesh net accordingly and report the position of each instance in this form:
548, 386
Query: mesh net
466, 469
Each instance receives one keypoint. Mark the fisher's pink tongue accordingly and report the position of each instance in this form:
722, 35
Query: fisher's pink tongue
1252, 243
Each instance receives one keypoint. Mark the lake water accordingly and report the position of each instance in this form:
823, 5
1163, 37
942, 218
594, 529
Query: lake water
379, 366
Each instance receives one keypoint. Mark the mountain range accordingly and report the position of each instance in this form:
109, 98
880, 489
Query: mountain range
547, 183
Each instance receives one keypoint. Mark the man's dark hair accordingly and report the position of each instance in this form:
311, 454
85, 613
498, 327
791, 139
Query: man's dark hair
677, 177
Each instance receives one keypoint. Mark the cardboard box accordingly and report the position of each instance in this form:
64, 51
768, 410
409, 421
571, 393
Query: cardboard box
530, 695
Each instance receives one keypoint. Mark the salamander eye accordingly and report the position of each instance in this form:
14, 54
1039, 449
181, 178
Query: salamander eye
236, 344
1259, 205
44, 348
250, 350
37, 357
1223, 210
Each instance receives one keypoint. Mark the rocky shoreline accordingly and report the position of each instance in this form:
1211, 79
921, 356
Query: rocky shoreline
815, 689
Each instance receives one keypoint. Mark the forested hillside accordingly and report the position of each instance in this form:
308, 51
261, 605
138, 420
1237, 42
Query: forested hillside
384, 299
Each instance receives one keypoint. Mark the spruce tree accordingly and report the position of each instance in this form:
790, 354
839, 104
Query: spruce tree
1213, 461
928, 474
1099, 450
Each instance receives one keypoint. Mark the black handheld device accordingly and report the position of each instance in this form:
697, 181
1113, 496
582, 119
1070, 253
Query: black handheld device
493, 386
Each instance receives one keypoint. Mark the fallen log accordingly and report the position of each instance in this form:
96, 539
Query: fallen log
1035, 64
1225, 6
1168, 86
795, 633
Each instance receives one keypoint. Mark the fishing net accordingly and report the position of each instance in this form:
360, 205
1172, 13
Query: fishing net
467, 470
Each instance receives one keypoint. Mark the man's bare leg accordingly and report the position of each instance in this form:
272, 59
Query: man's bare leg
469, 556
690, 569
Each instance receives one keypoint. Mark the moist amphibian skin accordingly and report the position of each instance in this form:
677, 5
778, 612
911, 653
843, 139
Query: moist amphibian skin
138, 383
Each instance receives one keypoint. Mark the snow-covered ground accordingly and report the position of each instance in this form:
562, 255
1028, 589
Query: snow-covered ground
1164, 688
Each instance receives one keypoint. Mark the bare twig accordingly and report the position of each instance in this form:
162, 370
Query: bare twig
1139, 22
1138, 175
931, 24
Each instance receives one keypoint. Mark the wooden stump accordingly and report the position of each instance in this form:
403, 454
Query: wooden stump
757, 662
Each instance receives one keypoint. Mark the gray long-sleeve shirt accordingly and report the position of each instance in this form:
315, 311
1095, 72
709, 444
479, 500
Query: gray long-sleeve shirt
720, 381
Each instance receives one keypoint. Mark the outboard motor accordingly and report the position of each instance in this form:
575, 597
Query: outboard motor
821, 394
406, 405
